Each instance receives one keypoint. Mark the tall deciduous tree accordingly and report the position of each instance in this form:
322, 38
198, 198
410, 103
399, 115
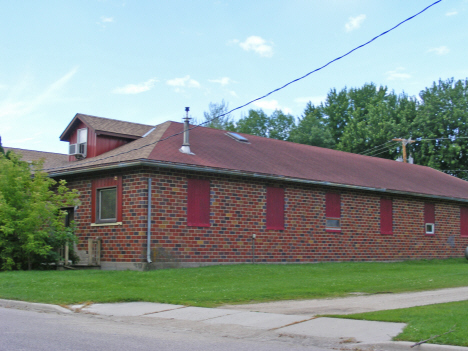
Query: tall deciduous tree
313, 129
442, 124
257, 122
217, 117
32, 225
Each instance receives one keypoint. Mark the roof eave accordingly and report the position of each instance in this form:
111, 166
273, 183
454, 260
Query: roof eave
186, 167
65, 134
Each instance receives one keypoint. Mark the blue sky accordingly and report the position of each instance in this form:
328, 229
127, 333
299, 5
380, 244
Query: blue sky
145, 61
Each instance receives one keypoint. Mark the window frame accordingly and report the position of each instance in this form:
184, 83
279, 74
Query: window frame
78, 132
99, 206
332, 211
104, 184
198, 203
274, 208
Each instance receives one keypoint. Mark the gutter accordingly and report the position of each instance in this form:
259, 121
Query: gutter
185, 167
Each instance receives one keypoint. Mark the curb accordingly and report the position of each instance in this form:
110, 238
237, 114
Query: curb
31, 306
406, 345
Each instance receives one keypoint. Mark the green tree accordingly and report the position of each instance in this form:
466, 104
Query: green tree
255, 123
377, 117
32, 225
217, 117
280, 125
442, 127
335, 111
313, 129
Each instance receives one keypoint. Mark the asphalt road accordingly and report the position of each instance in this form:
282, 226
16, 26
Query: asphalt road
29, 330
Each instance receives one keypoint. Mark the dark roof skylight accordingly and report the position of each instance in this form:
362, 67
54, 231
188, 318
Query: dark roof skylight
237, 137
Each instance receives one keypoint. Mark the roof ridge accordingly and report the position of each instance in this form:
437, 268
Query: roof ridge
115, 120
46, 152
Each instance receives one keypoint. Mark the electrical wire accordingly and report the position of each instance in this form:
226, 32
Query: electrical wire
273, 91
378, 147
374, 155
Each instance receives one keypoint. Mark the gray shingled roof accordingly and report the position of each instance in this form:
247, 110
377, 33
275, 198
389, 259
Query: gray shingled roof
108, 126
51, 159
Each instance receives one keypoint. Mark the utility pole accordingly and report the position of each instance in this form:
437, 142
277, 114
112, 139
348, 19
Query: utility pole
404, 142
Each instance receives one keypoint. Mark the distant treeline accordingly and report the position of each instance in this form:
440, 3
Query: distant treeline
365, 120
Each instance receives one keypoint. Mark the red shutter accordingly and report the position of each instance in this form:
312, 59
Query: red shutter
386, 216
464, 221
275, 208
198, 203
429, 215
333, 205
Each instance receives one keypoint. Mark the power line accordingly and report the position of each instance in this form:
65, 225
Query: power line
378, 147
273, 91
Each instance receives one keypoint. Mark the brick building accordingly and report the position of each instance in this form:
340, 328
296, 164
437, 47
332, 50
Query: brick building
220, 198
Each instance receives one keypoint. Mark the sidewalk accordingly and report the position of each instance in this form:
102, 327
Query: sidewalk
287, 318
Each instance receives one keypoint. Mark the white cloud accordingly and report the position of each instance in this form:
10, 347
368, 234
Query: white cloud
19, 104
397, 74
185, 82
354, 22
441, 50
136, 88
233, 93
257, 45
271, 105
223, 81
105, 20
452, 13
316, 100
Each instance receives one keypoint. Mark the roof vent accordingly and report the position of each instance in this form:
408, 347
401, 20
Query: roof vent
238, 137
185, 149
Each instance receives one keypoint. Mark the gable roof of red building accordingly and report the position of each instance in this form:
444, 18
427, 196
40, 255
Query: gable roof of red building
107, 126
214, 151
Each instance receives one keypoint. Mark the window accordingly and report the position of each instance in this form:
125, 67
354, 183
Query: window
107, 200
275, 208
198, 203
107, 205
429, 218
82, 136
333, 212
386, 216
464, 221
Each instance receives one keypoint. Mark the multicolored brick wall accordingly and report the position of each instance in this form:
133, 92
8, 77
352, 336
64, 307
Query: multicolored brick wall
238, 210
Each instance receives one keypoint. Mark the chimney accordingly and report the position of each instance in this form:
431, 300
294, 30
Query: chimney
185, 149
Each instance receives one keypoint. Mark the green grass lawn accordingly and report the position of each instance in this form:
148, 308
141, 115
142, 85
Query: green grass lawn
426, 321
217, 285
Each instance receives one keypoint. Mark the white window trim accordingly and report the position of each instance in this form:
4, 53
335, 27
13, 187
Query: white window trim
78, 140
333, 219
433, 228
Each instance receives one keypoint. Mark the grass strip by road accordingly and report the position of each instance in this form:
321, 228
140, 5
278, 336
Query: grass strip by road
230, 284
425, 322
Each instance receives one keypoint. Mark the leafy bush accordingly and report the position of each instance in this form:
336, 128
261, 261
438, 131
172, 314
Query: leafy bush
32, 219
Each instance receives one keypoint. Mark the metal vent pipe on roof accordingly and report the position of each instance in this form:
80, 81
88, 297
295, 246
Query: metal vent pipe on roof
185, 149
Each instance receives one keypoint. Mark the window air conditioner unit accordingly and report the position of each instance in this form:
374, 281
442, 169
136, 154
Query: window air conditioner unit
77, 150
